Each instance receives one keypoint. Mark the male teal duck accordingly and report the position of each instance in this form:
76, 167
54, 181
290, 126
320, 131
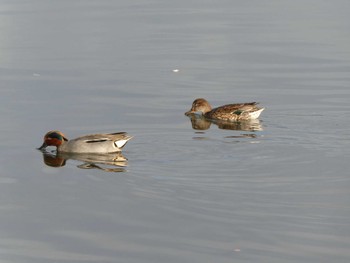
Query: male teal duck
94, 143
229, 112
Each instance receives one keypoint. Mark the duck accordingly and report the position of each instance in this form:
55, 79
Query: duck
230, 112
93, 143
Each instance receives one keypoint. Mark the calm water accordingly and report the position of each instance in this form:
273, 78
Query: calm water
276, 194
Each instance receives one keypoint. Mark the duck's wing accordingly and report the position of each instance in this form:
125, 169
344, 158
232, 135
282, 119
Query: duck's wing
93, 138
99, 142
236, 108
96, 138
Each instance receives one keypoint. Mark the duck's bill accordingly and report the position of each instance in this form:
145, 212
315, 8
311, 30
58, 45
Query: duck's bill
187, 113
42, 147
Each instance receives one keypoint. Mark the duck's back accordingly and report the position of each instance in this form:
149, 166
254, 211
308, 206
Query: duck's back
234, 112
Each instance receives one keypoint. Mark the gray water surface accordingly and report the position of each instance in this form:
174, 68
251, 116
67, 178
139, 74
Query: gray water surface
279, 193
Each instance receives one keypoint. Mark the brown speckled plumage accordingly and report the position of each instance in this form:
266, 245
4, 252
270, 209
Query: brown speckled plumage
229, 112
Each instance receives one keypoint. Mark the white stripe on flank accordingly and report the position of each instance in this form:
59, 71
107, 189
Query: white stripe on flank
120, 143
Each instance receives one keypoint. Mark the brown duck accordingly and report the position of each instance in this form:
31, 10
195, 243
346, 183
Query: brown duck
229, 112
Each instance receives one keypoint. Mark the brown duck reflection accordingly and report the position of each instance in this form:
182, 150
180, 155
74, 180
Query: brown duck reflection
107, 162
199, 122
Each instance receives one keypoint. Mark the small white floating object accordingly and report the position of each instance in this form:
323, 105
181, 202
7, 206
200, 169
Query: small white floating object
176, 70
36, 75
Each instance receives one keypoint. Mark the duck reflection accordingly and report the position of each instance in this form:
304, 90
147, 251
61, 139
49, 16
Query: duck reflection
107, 162
199, 122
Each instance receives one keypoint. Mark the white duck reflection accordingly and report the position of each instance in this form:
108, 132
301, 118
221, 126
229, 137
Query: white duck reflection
111, 162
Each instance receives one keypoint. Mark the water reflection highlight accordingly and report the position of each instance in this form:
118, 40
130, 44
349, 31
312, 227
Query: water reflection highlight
199, 122
115, 162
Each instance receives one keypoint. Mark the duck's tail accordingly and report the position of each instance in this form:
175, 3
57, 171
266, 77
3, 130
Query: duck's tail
122, 140
255, 114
